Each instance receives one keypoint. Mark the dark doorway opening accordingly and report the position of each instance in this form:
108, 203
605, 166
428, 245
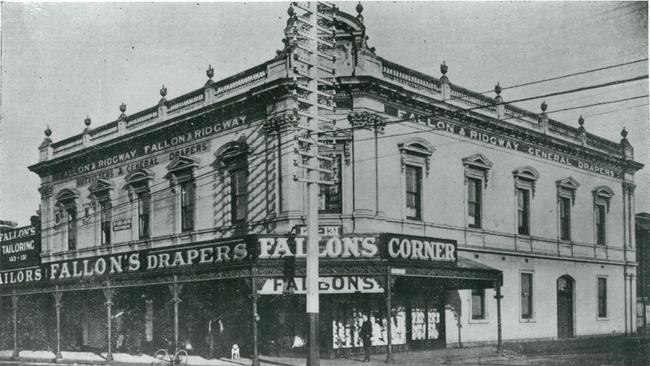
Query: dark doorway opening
565, 286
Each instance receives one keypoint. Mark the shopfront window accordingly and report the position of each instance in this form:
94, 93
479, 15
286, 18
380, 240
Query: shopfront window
526, 295
478, 304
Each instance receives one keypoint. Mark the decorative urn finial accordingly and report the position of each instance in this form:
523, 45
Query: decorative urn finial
497, 88
48, 131
209, 72
544, 106
122, 107
87, 121
581, 120
624, 133
359, 9
291, 11
163, 91
443, 68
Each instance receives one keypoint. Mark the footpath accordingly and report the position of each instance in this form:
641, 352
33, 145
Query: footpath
605, 351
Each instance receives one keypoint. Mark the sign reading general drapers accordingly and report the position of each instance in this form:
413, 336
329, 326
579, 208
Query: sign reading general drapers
144, 151
508, 143
20, 248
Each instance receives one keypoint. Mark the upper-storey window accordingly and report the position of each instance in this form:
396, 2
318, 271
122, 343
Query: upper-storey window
182, 182
67, 207
100, 192
566, 193
525, 179
232, 162
415, 156
331, 195
602, 196
137, 184
477, 169
413, 192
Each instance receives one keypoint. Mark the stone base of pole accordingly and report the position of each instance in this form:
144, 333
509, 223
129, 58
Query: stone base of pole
313, 357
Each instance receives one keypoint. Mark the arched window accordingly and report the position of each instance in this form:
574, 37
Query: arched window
232, 162
525, 180
566, 196
602, 196
67, 211
415, 156
181, 180
477, 172
137, 184
100, 192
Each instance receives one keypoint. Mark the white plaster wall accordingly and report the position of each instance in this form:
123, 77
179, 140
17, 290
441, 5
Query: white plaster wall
544, 323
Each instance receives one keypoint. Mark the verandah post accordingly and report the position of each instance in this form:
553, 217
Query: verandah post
14, 307
498, 297
254, 297
176, 291
57, 305
108, 294
389, 355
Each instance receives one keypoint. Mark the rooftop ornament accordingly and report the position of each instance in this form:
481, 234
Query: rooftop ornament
443, 68
210, 73
122, 109
163, 91
87, 122
581, 120
624, 133
544, 106
359, 9
48, 131
497, 88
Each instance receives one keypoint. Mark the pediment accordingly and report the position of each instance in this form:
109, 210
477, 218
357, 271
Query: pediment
568, 183
417, 145
67, 194
526, 172
603, 191
140, 175
182, 163
478, 161
100, 185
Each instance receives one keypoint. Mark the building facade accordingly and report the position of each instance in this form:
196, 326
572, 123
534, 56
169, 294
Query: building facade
184, 223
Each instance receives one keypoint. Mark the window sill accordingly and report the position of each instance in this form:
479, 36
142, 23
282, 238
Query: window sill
479, 321
531, 320
606, 319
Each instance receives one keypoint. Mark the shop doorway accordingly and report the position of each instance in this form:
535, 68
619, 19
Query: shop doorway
565, 285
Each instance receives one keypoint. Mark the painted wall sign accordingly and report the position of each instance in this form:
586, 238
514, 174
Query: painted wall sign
185, 133
122, 224
20, 248
506, 143
347, 246
416, 248
326, 285
217, 254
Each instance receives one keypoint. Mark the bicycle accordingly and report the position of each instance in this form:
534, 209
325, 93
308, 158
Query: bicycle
165, 358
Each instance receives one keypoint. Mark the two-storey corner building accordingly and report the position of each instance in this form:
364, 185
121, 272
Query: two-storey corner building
184, 222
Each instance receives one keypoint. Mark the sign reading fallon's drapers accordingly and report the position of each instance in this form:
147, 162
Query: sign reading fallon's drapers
20, 248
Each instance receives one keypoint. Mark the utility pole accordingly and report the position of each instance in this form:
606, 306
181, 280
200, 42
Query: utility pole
311, 36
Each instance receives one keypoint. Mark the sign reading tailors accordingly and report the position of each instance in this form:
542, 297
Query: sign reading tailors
418, 249
20, 247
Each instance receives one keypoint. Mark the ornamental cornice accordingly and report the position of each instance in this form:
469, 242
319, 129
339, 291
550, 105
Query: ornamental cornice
368, 85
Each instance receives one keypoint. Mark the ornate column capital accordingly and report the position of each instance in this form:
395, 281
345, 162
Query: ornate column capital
45, 190
629, 187
367, 120
280, 123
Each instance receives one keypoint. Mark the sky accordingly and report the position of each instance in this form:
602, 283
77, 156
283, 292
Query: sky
62, 62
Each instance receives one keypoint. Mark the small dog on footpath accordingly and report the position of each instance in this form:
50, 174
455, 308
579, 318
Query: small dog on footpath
234, 352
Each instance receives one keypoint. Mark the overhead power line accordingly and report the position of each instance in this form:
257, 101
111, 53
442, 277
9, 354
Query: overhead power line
567, 75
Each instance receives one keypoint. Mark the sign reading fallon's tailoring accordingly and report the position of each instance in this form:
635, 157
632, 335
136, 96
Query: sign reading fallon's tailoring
20, 248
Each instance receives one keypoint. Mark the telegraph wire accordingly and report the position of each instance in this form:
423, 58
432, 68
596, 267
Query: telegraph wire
568, 75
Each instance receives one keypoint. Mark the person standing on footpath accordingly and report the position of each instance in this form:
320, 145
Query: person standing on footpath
366, 337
